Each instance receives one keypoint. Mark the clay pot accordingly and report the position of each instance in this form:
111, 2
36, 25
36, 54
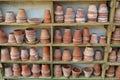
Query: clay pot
66, 55
1, 16
76, 72
9, 17
45, 37
45, 53
77, 37
102, 39
94, 38
110, 72
36, 70
66, 70
77, 54
112, 56
57, 71
19, 35
35, 20
8, 71
67, 36
117, 73
5, 56
87, 71
117, 15
45, 70
34, 55
97, 70
26, 70
57, 55
24, 54
31, 35
11, 38
47, 16
16, 70
116, 35
15, 53
118, 56
86, 35
98, 55
58, 36
59, 8
3, 38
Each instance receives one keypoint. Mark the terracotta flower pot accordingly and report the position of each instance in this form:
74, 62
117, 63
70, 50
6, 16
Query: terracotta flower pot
117, 73
16, 70
5, 56
117, 15
88, 71
57, 71
47, 16
94, 38
1, 16
66, 70
118, 56
66, 55
77, 54
3, 38
67, 36
57, 55
36, 70
8, 71
58, 36
9, 17
45, 37
76, 72
98, 55
11, 38
45, 70
110, 72
102, 39
15, 53
45, 53
97, 70
26, 70
24, 54
34, 55
19, 35
112, 56
86, 37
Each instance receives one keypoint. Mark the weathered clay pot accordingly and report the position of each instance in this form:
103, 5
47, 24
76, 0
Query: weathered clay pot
47, 16
94, 38
116, 36
58, 36
67, 37
45, 53
57, 55
3, 38
16, 70
34, 55
5, 56
15, 53
66, 55
97, 70
76, 72
117, 73
9, 17
36, 70
102, 39
11, 38
45, 70
87, 71
110, 72
24, 54
57, 71
98, 55
112, 56
66, 70
59, 8
117, 15
26, 70
8, 71
86, 37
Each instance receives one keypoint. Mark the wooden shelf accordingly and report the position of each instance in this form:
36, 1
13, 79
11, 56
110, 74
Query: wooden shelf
113, 63
111, 79
114, 45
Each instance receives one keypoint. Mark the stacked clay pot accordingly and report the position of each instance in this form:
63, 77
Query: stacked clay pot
16, 70
21, 16
67, 36
45, 53
103, 13
45, 37
15, 53
77, 37
34, 55
5, 56
88, 71
3, 38
57, 55
59, 18
26, 70
102, 39
116, 36
86, 36
11, 38
57, 71
110, 72
66, 70
66, 55
8, 71
24, 54
45, 70
117, 15
97, 70
57, 36
118, 56
69, 16
1, 16
47, 16
88, 54
117, 73
92, 13
76, 72
98, 55
112, 56
35, 70
9, 17
77, 54
94, 38
80, 16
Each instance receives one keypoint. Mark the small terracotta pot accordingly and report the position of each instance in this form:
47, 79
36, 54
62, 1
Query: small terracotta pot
8, 71
24, 54
102, 39
36, 70
47, 16
76, 72
110, 71
26, 70
3, 38
15, 53
11, 38
112, 56
46, 53
86, 35
57, 55
117, 15
97, 70
57, 71
45, 70
66, 70
94, 38
9, 17
16, 70
66, 55
5, 56
88, 71
98, 55
58, 36
21, 14
59, 8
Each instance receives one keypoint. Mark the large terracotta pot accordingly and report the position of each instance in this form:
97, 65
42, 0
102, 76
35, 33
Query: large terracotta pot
66, 55
5, 56
9, 17
58, 36
76, 72
8, 71
16, 70
45, 70
86, 37
57, 55
66, 70
36, 70
45, 53
57, 71
26, 70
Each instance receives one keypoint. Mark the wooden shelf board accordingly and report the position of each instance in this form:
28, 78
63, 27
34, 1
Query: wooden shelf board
111, 79
116, 24
114, 45
113, 63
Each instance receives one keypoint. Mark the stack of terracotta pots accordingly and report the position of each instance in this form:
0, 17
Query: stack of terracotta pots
57, 36
26, 70
88, 71
117, 73
110, 72
103, 13
117, 15
24, 54
5, 56
94, 38
36, 70
86, 36
98, 55
92, 13
59, 18
89, 54
76, 72
11, 38
80, 16
57, 71
45, 70
21, 16
77, 37
77, 54
8, 71
66, 55
45, 37
1, 16
9, 17
47, 16
97, 70
69, 16
67, 36
118, 56
116, 36
3, 38
45, 53
66, 70
102, 39
57, 55
112, 56
16, 70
